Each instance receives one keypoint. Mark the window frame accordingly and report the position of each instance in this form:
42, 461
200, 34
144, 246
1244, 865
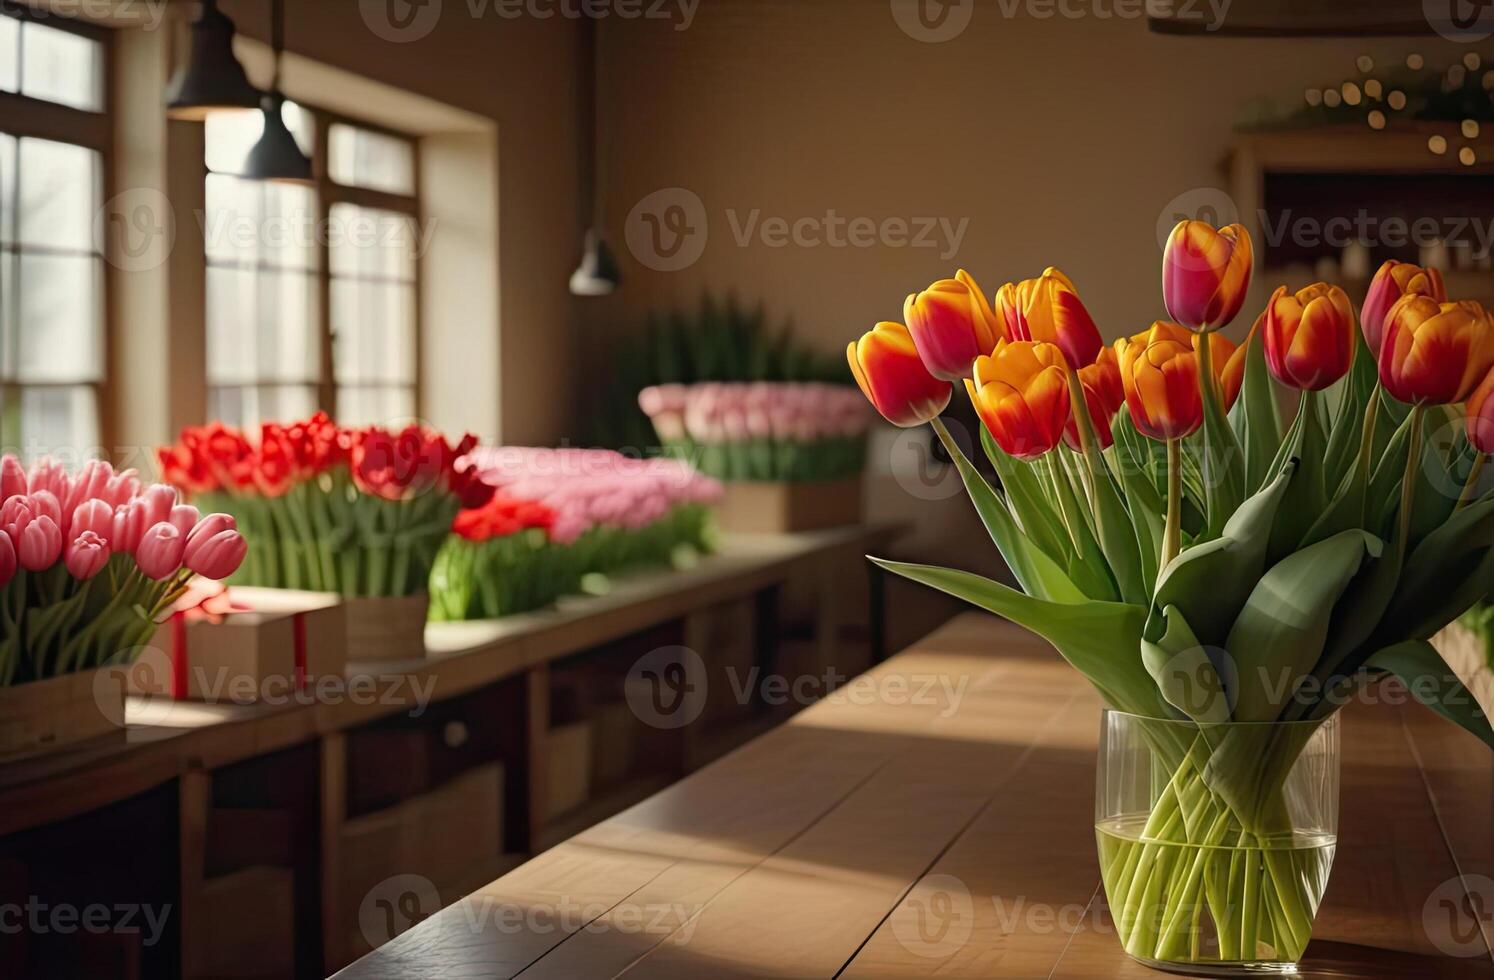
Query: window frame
33, 118
328, 194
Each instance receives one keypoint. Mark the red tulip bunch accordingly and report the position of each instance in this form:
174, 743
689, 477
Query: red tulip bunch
359, 511
501, 516
89, 561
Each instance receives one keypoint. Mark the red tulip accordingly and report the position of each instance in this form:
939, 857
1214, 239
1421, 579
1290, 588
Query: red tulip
40, 545
159, 553
1205, 274
1048, 309
1104, 394
86, 556
1021, 393
1435, 353
1310, 336
951, 325
1394, 280
886, 364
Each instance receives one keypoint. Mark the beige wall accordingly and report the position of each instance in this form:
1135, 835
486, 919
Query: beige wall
1061, 141
520, 73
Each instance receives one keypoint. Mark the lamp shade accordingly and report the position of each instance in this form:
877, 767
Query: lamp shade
276, 155
212, 78
597, 273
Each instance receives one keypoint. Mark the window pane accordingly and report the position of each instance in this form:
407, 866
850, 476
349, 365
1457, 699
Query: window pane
61, 317
57, 422
9, 306
258, 222
59, 194
251, 406
229, 136
261, 326
10, 54
371, 243
375, 406
374, 327
363, 158
61, 67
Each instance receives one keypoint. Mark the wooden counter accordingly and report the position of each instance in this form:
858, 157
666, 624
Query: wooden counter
901, 830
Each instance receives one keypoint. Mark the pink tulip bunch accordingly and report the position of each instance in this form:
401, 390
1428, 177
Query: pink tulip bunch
762, 430
59, 534
590, 488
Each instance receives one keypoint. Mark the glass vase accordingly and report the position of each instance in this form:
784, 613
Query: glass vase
1216, 840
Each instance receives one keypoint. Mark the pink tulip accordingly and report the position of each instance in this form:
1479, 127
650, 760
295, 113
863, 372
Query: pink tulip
88, 484
12, 478
15, 514
40, 544
219, 556
8, 561
44, 503
159, 499
47, 475
121, 488
86, 556
159, 553
208, 528
96, 516
130, 522
184, 518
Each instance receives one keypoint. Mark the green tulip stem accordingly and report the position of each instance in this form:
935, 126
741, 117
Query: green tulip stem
1087, 441
1367, 441
1470, 485
1408, 483
1172, 539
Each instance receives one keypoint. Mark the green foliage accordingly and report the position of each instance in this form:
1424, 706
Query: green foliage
721, 341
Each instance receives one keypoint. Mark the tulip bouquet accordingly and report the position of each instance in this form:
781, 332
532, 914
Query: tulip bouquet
563, 519
360, 512
90, 562
1226, 540
777, 431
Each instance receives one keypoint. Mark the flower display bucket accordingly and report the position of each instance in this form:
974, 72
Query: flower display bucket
1216, 840
385, 628
760, 507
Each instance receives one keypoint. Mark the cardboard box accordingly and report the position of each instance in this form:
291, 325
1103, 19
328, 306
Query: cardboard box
568, 771
387, 628
1466, 654
773, 508
43, 715
271, 643
247, 925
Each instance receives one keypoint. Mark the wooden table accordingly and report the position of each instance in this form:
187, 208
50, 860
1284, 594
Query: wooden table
935, 819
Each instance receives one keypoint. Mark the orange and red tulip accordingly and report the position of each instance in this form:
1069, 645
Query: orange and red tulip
1205, 273
1394, 280
1435, 353
951, 324
1481, 416
1159, 371
1021, 393
1048, 310
1104, 394
893, 378
1310, 336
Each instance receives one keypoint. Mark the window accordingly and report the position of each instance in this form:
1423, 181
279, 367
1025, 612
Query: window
52, 274
311, 290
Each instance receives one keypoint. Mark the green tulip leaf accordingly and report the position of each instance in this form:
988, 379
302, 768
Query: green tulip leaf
1094, 637
1306, 496
1183, 671
1278, 638
1432, 682
1256, 418
1448, 571
1353, 394
1221, 461
1030, 506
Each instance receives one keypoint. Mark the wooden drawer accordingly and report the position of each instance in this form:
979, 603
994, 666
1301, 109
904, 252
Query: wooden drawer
246, 926
568, 767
